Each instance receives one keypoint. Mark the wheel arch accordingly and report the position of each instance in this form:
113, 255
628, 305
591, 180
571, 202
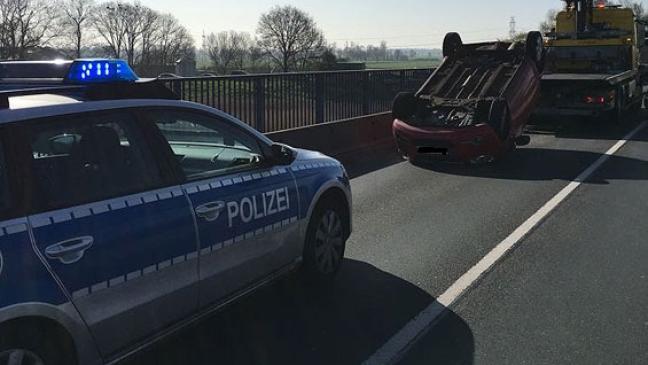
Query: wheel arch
58, 320
336, 190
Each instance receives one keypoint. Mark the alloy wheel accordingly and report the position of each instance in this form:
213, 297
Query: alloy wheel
20, 357
329, 242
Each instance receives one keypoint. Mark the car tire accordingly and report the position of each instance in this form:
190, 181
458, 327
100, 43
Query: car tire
404, 106
500, 119
325, 241
535, 49
451, 44
29, 346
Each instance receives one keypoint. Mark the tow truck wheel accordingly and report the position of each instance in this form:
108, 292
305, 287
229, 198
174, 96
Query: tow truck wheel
451, 44
617, 115
535, 49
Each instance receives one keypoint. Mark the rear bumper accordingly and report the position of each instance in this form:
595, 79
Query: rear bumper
447, 145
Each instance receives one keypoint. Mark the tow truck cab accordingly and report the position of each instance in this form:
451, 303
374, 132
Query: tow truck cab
593, 63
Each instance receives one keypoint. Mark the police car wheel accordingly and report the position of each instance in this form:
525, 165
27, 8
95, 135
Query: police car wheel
325, 242
23, 344
20, 357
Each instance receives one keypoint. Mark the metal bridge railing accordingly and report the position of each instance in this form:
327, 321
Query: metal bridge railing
274, 102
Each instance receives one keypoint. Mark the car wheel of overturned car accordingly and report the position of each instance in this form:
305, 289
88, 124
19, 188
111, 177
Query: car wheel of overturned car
325, 241
451, 44
500, 119
404, 106
535, 49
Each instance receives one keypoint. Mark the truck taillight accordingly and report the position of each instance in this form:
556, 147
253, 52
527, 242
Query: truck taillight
595, 99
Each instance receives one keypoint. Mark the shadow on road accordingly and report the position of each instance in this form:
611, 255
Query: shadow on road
292, 323
365, 161
547, 164
583, 128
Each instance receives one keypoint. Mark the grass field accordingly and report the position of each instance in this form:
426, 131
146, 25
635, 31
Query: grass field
418, 63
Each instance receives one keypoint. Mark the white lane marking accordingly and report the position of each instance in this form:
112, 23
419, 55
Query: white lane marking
396, 346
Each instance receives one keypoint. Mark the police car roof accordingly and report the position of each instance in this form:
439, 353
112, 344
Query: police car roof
34, 90
73, 81
75, 107
32, 101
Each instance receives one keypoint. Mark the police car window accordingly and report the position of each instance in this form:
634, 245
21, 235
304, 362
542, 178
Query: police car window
205, 146
84, 159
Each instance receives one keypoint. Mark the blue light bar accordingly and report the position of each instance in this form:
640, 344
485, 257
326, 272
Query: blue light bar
95, 71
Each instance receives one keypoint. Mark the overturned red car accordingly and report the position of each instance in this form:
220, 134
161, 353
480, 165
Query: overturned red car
475, 106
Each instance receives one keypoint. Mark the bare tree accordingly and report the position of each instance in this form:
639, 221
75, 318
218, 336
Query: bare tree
255, 54
171, 41
139, 23
289, 36
142, 33
76, 14
109, 24
636, 6
549, 23
25, 25
228, 49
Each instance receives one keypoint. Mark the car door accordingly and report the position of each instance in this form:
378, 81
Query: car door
246, 209
111, 226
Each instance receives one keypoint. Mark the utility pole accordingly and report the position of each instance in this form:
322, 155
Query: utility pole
203, 53
512, 25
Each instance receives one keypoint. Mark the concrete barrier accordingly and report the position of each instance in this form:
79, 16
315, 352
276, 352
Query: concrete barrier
341, 139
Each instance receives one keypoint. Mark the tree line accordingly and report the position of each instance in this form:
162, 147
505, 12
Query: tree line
286, 38
84, 28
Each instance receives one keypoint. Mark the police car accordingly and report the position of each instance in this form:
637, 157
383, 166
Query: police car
127, 214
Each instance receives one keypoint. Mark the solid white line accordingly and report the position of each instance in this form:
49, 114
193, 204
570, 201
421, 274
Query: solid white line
396, 346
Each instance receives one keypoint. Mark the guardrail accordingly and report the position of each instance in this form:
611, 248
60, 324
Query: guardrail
275, 102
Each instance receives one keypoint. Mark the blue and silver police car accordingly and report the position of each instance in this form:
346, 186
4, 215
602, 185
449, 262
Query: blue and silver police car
126, 214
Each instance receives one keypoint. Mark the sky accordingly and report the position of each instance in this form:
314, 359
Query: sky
402, 23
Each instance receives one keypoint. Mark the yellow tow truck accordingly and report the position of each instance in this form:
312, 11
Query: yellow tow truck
593, 62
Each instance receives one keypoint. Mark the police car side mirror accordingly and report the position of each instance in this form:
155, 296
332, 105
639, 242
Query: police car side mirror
282, 154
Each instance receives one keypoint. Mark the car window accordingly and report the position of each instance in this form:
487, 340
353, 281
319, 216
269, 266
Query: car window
206, 146
89, 158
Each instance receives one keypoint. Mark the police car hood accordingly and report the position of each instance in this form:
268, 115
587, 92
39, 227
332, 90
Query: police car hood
304, 155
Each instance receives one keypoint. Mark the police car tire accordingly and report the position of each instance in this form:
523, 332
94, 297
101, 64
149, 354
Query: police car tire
36, 342
310, 266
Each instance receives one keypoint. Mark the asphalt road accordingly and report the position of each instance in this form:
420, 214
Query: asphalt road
574, 291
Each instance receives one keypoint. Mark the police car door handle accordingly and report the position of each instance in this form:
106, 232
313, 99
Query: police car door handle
69, 251
210, 211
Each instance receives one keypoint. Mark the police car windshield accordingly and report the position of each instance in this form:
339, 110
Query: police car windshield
182, 132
